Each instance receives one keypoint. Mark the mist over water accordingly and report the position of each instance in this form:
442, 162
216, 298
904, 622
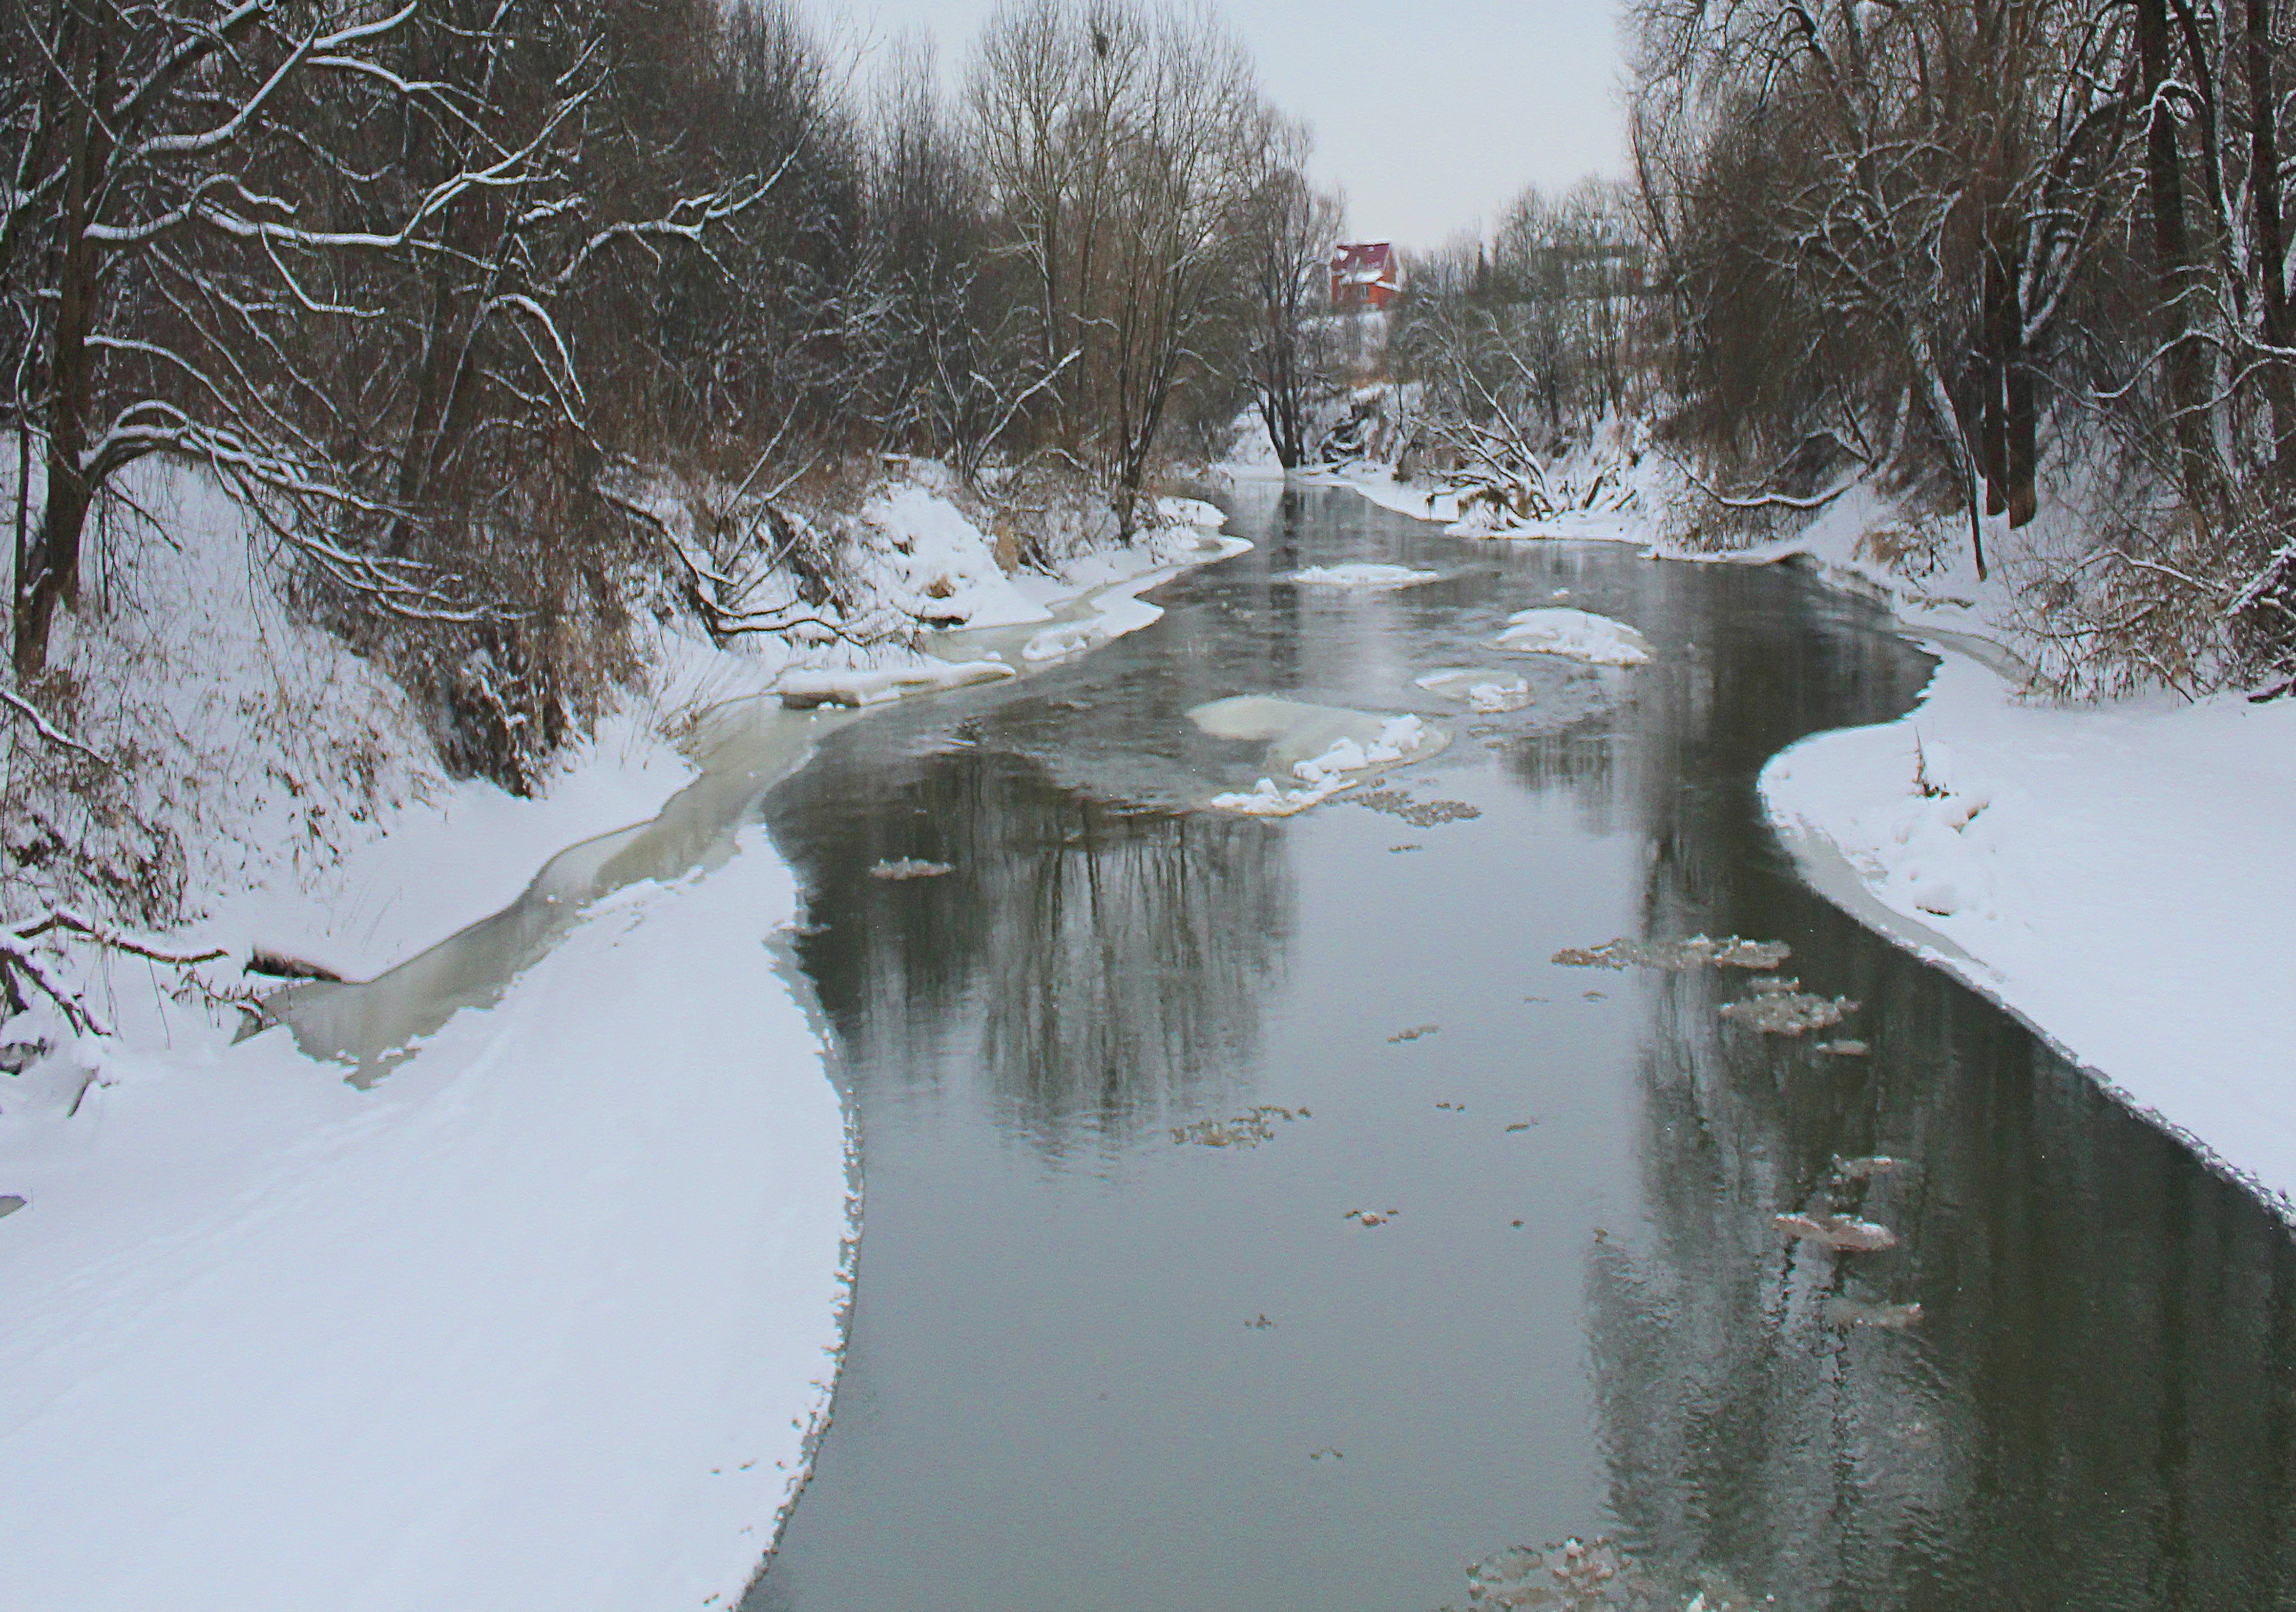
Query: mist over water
1509, 1272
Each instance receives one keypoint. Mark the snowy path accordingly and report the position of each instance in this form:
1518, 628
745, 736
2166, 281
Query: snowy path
2120, 877
521, 1327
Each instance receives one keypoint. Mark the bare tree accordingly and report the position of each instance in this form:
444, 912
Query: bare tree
1289, 230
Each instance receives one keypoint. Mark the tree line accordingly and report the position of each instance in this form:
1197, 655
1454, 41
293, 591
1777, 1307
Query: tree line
419, 281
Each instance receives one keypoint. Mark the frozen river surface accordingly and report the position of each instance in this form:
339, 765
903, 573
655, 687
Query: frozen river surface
1256, 1219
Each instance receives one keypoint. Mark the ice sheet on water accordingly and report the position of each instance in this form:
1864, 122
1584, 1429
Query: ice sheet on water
1696, 952
1577, 635
1363, 575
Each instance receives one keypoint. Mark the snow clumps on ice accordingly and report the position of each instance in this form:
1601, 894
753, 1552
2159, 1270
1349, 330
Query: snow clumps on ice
1578, 634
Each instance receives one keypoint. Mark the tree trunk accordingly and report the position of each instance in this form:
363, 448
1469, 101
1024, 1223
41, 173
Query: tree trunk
2271, 245
2164, 183
50, 574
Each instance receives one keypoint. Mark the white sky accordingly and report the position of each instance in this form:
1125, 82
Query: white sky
1431, 114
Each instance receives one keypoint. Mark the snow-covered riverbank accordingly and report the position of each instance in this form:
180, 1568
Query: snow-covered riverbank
547, 1317
2118, 876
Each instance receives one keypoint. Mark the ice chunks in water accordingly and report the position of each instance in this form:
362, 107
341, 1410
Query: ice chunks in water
1486, 693
1365, 576
1576, 635
1418, 813
1789, 1013
1847, 1313
1697, 951
1264, 799
1244, 1131
910, 867
1845, 1232
1573, 1576
1866, 1169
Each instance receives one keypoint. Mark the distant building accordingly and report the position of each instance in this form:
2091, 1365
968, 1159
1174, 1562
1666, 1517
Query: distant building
1365, 274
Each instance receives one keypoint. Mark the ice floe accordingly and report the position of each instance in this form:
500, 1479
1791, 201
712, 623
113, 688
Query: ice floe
1486, 692
1577, 635
1319, 745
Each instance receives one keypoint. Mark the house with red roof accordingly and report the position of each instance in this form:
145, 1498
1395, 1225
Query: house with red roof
1365, 274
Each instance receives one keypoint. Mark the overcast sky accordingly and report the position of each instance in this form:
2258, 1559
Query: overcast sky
1431, 114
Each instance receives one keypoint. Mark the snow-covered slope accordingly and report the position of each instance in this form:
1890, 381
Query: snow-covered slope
540, 1321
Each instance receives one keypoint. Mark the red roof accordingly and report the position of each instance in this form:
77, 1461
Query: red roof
1371, 260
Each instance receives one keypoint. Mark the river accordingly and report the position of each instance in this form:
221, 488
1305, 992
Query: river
1256, 1219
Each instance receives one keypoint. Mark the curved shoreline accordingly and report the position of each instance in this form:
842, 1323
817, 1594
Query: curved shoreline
1823, 865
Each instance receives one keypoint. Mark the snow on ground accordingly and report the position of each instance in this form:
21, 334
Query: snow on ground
1363, 575
1575, 634
943, 566
541, 1321
546, 1317
2119, 876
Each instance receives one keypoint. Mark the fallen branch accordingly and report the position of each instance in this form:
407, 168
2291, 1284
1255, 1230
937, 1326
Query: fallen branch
48, 730
21, 966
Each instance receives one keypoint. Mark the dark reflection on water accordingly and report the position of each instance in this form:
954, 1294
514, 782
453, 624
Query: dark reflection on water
1059, 1395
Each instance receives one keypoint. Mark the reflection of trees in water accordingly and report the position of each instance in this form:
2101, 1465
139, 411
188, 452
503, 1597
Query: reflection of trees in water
2097, 1408
1096, 963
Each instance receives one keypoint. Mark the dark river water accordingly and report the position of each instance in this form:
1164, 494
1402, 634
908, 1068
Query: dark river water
1098, 1364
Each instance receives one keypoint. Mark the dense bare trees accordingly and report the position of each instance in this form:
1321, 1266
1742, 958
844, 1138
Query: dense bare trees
420, 281
1120, 146
1928, 240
